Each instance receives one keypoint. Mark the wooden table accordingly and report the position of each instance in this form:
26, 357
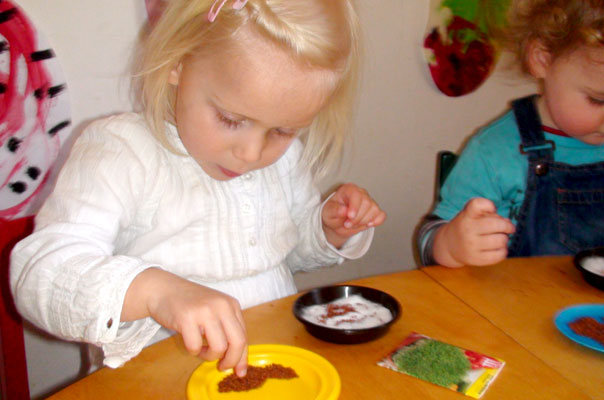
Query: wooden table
504, 311
520, 297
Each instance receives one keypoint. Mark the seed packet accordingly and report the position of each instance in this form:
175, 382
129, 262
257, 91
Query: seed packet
442, 364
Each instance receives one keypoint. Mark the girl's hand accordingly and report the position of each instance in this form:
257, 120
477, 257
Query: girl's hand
210, 322
476, 236
349, 211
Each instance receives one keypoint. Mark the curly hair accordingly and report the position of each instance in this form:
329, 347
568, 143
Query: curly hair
323, 34
560, 25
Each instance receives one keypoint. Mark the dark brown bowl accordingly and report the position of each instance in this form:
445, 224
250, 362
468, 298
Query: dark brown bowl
592, 278
346, 336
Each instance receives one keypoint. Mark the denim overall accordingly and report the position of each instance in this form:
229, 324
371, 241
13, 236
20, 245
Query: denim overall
563, 209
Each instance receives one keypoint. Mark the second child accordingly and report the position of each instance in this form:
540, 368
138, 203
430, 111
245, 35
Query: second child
532, 182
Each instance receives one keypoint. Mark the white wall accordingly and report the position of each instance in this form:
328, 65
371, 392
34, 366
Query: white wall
402, 121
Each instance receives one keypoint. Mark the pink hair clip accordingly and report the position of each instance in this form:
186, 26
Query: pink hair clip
217, 6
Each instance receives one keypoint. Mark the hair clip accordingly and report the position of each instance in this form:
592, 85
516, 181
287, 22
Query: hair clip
217, 6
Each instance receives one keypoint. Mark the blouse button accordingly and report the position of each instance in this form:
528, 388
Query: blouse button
110, 323
252, 242
541, 169
247, 176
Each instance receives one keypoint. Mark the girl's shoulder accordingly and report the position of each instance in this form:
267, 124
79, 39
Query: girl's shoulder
496, 143
130, 127
503, 131
127, 134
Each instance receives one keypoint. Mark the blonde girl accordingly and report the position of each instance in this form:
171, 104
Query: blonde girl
205, 203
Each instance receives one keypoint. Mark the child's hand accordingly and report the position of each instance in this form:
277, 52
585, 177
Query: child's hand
198, 313
476, 236
349, 211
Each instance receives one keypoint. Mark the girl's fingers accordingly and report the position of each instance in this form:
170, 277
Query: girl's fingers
372, 215
334, 214
495, 242
241, 367
369, 215
192, 338
479, 207
216, 341
496, 224
379, 219
237, 345
361, 211
492, 256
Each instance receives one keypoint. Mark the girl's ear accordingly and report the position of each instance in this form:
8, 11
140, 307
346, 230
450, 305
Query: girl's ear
175, 75
538, 58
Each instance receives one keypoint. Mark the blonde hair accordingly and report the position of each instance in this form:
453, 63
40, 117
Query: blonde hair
559, 25
319, 33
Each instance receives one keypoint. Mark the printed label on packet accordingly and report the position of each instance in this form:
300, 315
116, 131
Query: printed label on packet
458, 369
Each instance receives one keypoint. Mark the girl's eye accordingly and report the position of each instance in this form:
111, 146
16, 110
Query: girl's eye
286, 133
596, 101
227, 121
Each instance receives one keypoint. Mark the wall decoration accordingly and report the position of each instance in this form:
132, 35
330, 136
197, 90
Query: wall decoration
459, 48
34, 112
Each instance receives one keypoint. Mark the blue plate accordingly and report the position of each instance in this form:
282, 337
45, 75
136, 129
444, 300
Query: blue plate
568, 315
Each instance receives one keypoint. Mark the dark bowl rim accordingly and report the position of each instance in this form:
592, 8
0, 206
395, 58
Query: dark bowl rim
360, 331
583, 254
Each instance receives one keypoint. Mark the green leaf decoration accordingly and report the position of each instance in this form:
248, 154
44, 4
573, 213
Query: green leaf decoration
466, 9
483, 13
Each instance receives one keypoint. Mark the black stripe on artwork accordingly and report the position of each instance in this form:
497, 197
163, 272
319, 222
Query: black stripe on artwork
42, 55
55, 90
2, 88
52, 91
3, 46
6, 15
61, 125
33, 172
18, 187
13, 144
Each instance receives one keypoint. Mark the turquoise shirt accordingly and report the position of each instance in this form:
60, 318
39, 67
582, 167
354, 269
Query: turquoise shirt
491, 166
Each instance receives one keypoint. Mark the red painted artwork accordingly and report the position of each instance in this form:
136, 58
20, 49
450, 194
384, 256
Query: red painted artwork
461, 53
34, 112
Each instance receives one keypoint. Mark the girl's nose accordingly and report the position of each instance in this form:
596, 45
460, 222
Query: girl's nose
250, 148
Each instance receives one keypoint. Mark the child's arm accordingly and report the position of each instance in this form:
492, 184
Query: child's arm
198, 313
476, 236
349, 211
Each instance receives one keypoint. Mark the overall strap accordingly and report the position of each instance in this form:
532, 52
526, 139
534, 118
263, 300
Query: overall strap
531, 133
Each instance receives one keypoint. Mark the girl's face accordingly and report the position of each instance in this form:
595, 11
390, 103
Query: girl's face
238, 110
573, 97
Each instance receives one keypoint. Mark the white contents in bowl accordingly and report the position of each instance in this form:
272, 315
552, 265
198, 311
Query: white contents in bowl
354, 312
594, 264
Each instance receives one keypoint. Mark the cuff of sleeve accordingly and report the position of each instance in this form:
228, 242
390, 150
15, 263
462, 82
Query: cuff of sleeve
426, 241
130, 340
355, 247
109, 327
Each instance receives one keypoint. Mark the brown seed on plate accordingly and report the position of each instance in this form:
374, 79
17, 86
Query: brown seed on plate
590, 327
255, 378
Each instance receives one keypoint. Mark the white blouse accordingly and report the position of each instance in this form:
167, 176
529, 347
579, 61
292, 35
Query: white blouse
124, 203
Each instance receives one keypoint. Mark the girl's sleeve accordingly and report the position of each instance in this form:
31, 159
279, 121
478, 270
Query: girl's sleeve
472, 176
66, 277
425, 238
313, 249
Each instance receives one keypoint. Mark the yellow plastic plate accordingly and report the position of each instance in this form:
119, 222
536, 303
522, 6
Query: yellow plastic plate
317, 378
